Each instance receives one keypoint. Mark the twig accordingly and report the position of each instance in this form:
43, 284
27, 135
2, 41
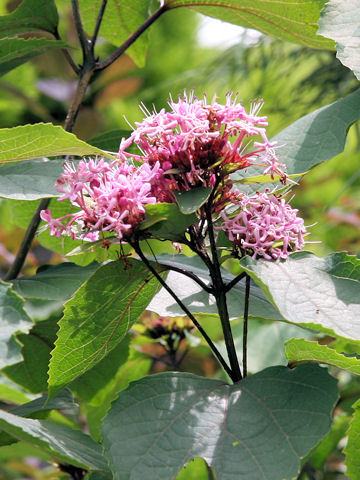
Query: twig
119, 51
188, 274
216, 352
98, 23
234, 281
245, 327
79, 28
26, 242
67, 55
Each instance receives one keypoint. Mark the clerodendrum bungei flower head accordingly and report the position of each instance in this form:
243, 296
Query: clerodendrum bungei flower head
197, 143
266, 225
111, 197
193, 145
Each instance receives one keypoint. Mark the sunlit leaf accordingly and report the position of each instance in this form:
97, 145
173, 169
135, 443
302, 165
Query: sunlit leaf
307, 293
339, 21
201, 302
41, 140
98, 318
299, 350
294, 21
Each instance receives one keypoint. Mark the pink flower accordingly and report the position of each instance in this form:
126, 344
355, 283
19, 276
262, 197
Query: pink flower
266, 226
195, 142
111, 197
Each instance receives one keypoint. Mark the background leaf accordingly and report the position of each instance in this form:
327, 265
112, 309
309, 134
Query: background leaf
307, 294
318, 136
30, 180
120, 20
31, 372
16, 51
294, 21
41, 140
340, 21
63, 443
258, 428
24, 20
98, 318
110, 140
48, 290
13, 318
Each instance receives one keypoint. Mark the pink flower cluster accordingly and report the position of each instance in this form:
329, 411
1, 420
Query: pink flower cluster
111, 197
266, 226
195, 142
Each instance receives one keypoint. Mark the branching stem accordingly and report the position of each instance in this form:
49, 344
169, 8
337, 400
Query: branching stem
234, 281
134, 36
245, 327
191, 275
216, 352
220, 297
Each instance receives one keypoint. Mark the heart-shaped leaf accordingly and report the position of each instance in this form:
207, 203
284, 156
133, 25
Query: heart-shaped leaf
258, 428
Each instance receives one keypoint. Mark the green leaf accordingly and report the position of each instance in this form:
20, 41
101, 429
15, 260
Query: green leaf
97, 378
16, 51
10, 394
199, 301
339, 21
192, 200
98, 318
110, 140
41, 140
137, 366
30, 180
270, 335
120, 20
13, 319
23, 19
307, 293
257, 428
318, 136
63, 401
329, 444
165, 221
352, 448
261, 179
31, 373
294, 21
63, 443
299, 350
48, 290
196, 469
